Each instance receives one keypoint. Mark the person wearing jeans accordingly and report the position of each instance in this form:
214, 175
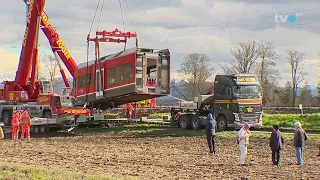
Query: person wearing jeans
243, 139
276, 141
299, 137
210, 133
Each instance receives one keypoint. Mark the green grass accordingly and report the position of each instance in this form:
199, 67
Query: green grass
9, 171
308, 121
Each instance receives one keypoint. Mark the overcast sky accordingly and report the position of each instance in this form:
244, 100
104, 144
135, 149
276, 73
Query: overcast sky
211, 27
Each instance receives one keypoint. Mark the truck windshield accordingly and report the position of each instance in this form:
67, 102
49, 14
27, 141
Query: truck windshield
66, 102
247, 91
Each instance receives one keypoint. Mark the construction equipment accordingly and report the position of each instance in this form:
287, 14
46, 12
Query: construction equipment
27, 93
234, 100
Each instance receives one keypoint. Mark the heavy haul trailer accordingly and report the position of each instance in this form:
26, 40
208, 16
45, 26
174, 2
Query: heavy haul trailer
128, 76
234, 99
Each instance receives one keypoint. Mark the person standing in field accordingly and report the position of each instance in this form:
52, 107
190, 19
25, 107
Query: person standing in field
243, 141
25, 123
210, 133
15, 124
276, 141
299, 137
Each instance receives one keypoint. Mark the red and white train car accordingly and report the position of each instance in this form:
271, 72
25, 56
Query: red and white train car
128, 76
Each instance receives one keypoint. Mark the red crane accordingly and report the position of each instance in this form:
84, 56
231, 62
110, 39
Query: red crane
25, 90
57, 46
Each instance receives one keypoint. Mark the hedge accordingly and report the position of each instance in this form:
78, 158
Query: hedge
286, 121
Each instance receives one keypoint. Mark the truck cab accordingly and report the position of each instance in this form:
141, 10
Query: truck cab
237, 99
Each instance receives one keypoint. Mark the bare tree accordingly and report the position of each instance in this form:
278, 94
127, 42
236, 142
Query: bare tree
295, 60
266, 71
196, 69
178, 90
51, 66
7, 76
246, 55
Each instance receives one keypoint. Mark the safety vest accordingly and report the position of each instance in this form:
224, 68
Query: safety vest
15, 120
129, 107
25, 120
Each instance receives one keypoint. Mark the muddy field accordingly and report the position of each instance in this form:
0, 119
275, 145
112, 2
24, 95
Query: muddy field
159, 158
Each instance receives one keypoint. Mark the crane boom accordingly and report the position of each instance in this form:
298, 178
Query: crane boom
57, 45
25, 62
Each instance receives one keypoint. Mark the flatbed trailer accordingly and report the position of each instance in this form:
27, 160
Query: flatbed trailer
41, 125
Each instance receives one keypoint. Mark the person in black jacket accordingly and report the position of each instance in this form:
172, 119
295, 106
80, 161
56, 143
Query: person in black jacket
210, 133
276, 140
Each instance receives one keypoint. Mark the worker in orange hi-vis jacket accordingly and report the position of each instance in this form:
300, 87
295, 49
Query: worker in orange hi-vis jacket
129, 110
15, 124
25, 123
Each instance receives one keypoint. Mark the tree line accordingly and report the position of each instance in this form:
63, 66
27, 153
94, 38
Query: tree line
252, 56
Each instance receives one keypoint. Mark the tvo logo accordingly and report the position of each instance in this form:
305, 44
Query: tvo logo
291, 18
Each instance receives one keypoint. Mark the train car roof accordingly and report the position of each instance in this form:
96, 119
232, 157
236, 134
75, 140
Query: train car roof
108, 57
121, 54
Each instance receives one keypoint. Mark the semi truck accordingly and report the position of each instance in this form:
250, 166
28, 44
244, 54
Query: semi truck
233, 100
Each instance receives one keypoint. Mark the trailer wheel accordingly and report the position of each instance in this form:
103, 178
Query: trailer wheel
221, 123
36, 129
43, 129
7, 118
184, 121
195, 121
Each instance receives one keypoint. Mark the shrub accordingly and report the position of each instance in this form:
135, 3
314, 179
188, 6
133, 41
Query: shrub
111, 116
158, 115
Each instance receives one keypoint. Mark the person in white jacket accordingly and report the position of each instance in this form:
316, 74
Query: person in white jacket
243, 140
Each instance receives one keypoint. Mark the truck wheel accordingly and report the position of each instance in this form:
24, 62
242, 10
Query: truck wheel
7, 118
195, 121
184, 121
47, 114
221, 123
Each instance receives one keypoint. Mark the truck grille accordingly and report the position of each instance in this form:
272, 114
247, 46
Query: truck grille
249, 117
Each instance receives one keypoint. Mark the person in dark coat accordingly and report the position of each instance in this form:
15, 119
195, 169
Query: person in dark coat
300, 136
276, 141
210, 133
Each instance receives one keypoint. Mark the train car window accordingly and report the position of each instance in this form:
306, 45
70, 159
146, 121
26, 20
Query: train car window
81, 81
128, 73
111, 77
88, 79
119, 75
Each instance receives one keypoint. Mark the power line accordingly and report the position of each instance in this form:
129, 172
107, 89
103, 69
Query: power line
308, 8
